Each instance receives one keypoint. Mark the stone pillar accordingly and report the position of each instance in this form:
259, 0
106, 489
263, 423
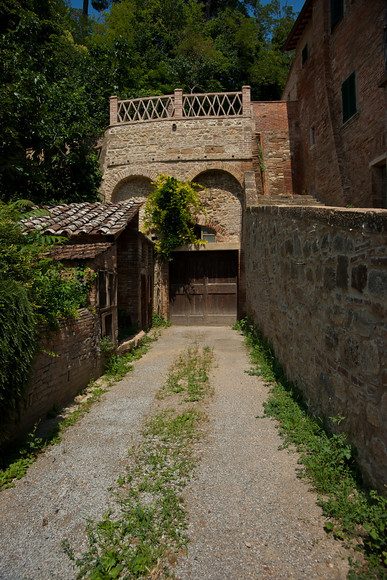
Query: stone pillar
178, 98
113, 110
246, 100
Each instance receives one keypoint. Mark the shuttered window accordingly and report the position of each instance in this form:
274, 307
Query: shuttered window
337, 11
348, 94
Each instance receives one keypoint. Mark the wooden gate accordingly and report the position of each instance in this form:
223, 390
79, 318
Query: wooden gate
203, 287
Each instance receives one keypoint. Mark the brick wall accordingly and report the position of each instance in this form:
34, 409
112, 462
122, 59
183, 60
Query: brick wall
316, 283
336, 159
134, 261
271, 124
66, 361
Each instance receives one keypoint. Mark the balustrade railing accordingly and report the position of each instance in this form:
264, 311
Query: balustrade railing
179, 106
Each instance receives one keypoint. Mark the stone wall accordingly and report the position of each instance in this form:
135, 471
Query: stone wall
225, 148
66, 361
182, 148
316, 284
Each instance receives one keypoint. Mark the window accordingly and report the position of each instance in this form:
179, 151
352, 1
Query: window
102, 289
312, 136
304, 54
337, 11
208, 235
348, 94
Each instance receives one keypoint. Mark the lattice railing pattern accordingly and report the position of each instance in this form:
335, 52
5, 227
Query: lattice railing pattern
177, 106
212, 105
146, 109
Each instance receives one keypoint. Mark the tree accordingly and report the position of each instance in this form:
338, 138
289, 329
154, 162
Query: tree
50, 106
200, 46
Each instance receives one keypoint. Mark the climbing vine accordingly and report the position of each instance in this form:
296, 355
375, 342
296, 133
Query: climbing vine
33, 290
170, 212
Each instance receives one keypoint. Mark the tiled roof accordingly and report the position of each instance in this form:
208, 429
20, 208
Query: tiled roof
79, 251
76, 219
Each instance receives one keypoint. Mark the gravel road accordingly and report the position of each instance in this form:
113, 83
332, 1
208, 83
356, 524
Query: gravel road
250, 517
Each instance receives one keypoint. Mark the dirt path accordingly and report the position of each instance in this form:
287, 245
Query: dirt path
250, 517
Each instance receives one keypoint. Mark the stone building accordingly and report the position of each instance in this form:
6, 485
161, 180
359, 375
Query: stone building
338, 83
238, 150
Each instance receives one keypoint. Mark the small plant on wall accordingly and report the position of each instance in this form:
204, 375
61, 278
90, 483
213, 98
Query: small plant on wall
170, 212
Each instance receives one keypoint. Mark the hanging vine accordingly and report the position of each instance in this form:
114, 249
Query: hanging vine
170, 214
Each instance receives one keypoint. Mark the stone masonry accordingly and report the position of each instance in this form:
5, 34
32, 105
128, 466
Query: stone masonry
217, 151
316, 284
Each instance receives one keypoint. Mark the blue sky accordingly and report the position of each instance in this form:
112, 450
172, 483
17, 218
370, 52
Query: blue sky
297, 4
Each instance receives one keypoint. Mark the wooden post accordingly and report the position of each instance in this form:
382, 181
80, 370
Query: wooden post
178, 98
246, 100
113, 110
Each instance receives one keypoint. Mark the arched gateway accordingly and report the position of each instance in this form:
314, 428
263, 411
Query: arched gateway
210, 139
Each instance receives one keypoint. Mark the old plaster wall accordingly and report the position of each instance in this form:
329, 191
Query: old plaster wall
316, 284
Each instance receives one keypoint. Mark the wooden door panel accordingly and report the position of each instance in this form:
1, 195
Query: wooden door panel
204, 287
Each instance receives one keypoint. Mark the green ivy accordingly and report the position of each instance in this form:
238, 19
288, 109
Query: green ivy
170, 212
33, 290
17, 346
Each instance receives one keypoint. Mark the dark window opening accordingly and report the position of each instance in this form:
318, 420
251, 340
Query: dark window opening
337, 12
111, 289
312, 136
304, 54
102, 289
108, 321
348, 93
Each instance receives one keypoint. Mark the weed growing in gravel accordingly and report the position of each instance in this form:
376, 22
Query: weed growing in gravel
117, 366
328, 460
189, 375
159, 322
15, 462
141, 536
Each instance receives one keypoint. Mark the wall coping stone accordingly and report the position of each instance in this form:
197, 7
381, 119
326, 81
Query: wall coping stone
373, 220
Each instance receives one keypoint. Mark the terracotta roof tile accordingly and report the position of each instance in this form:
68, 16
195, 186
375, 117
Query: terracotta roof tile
75, 219
79, 251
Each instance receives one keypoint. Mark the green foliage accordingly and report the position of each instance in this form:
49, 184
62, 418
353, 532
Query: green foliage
170, 214
159, 322
52, 291
151, 48
33, 290
17, 346
190, 374
328, 460
50, 106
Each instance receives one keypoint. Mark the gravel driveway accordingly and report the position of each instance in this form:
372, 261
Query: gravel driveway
250, 517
